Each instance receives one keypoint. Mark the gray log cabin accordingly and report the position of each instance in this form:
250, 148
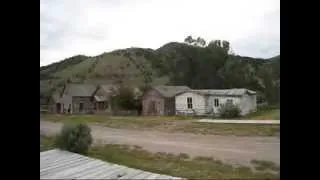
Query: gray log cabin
73, 98
81, 99
102, 99
160, 100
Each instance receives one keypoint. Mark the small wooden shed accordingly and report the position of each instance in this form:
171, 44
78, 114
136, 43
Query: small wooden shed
102, 97
160, 100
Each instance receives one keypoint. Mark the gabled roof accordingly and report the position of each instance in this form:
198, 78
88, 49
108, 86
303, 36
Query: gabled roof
56, 96
100, 98
84, 90
170, 91
224, 92
109, 87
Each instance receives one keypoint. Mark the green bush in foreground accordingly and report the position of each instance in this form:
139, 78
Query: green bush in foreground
229, 110
75, 138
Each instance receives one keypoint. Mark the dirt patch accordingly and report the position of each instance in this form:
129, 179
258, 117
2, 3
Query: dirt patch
230, 149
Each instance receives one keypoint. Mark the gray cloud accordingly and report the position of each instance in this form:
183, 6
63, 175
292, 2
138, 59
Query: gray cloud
264, 41
91, 27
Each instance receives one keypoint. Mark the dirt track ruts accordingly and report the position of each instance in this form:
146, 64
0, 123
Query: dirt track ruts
231, 149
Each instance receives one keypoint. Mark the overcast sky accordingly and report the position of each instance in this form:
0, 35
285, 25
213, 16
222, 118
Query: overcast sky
91, 27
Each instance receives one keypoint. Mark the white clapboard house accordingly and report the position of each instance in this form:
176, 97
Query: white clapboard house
208, 101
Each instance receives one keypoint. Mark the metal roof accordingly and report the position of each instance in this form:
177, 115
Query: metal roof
224, 92
84, 90
170, 91
57, 164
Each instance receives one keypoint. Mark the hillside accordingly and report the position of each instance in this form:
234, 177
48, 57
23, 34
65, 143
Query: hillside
174, 63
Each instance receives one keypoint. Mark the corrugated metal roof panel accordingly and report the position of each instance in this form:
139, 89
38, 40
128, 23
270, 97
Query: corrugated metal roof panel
224, 92
57, 164
170, 91
80, 90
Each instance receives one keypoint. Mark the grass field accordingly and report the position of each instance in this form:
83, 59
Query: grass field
46, 143
271, 114
230, 129
117, 121
169, 124
176, 165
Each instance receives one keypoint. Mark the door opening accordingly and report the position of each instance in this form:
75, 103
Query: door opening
80, 107
58, 108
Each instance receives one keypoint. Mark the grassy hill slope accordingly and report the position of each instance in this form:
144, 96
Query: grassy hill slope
174, 63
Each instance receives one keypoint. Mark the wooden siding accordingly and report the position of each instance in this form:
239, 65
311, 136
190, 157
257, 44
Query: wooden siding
153, 103
57, 164
68, 99
198, 104
248, 104
170, 106
204, 104
87, 104
107, 104
52, 106
222, 100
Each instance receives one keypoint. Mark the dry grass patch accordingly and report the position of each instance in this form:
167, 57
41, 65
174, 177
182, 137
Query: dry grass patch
131, 122
46, 143
175, 165
261, 165
230, 129
169, 124
264, 114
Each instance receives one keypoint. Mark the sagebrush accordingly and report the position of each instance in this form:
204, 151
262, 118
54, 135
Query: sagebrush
75, 138
229, 110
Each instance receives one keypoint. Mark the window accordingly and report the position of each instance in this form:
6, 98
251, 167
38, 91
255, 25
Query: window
229, 101
189, 102
216, 102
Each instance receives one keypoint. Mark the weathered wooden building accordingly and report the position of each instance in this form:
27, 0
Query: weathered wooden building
85, 98
54, 105
160, 100
73, 98
208, 101
102, 98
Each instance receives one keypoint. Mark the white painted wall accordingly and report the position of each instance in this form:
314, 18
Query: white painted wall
198, 103
222, 100
202, 105
248, 104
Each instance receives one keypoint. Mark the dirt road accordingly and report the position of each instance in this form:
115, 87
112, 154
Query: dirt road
231, 149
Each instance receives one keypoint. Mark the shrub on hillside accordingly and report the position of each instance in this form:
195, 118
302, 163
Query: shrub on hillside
75, 138
229, 110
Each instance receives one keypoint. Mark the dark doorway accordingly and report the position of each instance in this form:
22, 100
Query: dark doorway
101, 106
152, 108
80, 107
69, 109
58, 107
